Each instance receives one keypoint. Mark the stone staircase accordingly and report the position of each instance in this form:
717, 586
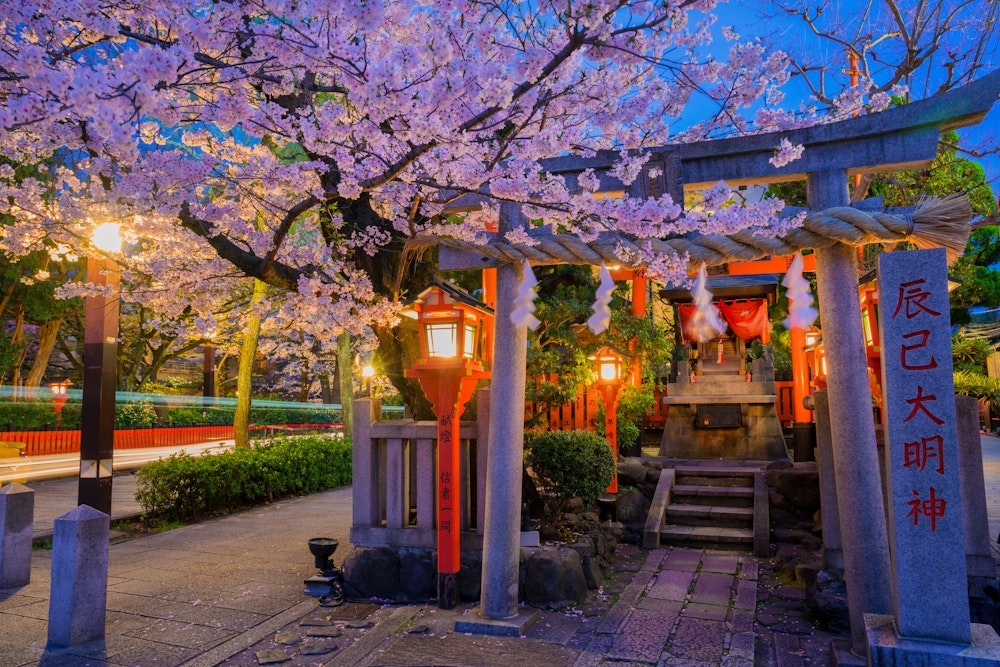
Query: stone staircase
722, 507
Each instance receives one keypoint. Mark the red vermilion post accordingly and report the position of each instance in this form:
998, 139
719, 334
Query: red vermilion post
448, 389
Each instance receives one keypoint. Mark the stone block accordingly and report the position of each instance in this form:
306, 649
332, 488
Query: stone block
554, 578
17, 508
887, 649
78, 595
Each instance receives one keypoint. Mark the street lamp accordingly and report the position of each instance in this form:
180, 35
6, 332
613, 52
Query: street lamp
608, 366
452, 326
100, 357
60, 393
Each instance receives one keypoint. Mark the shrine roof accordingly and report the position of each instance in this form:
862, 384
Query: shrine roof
725, 288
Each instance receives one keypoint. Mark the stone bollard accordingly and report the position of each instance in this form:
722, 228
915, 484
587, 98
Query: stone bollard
17, 510
78, 598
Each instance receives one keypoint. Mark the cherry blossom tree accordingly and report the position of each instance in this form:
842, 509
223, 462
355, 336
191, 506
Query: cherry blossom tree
301, 142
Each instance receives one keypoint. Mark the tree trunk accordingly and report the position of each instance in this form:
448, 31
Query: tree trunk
47, 333
344, 364
248, 352
305, 381
326, 391
18, 339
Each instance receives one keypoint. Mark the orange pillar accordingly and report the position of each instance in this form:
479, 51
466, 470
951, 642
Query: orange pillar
638, 310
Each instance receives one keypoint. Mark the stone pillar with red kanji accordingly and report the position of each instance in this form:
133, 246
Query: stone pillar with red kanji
927, 543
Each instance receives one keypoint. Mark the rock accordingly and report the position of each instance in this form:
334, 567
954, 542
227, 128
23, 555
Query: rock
591, 517
602, 547
799, 486
806, 573
271, 657
470, 577
373, 572
653, 464
592, 572
287, 638
812, 542
318, 648
554, 578
584, 546
574, 505
570, 519
325, 633
632, 507
631, 472
776, 499
417, 576
653, 475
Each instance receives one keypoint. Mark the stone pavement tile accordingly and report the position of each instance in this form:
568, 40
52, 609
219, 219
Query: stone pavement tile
10, 600
623, 607
555, 628
117, 623
788, 651
746, 595
259, 604
19, 626
671, 585
736, 661
176, 633
150, 588
14, 655
218, 617
742, 620
654, 559
683, 559
671, 661
696, 639
596, 650
712, 588
708, 612
475, 651
141, 604
741, 645
662, 606
643, 637
750, 568
35, 609
720, 561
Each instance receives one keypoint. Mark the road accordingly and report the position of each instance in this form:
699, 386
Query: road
36, 468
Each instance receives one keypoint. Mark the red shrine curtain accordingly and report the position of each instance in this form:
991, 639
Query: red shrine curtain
686, 312
747, 319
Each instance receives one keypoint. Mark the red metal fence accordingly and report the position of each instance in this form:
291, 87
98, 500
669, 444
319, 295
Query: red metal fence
42, 443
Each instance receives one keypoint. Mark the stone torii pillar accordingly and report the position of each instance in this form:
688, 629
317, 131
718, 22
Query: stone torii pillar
863, 530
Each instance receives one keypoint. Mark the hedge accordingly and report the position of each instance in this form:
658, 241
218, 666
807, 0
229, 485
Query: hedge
183, 487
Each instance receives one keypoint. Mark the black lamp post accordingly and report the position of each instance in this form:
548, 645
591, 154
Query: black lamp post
100, 356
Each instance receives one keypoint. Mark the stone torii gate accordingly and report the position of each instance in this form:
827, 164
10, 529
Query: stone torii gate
902, 138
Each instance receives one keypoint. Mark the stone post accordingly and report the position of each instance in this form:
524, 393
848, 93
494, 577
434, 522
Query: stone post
833, 554
859, 489
78, 597
17, 515
978, 554
365, 464
501, 540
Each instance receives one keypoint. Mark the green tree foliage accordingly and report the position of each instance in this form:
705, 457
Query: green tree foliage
558, 367
970, 354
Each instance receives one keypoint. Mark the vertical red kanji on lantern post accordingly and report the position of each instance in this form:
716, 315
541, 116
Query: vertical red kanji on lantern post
452, 330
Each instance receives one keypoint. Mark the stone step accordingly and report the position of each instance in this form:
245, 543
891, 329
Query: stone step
707, 536
710, 515
696, 479
718, 496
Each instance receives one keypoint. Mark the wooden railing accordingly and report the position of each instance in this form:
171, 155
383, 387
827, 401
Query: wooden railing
394, 471
784, 403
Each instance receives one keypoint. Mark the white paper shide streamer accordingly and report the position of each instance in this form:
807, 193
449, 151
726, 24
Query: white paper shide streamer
707, 322
801, 313
601, 318
523, 312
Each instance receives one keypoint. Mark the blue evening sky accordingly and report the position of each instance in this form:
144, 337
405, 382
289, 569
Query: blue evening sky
747, 18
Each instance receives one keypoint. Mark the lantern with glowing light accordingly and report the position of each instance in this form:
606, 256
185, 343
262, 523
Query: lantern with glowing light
453, 328
608, 366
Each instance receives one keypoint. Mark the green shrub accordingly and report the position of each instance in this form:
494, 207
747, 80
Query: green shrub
570, 464
183, 486
134, 414
26, 415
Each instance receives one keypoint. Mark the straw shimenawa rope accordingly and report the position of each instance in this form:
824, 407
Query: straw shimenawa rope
940, 222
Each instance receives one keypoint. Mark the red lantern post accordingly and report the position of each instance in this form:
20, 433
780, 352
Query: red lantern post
452, 326
608, 365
